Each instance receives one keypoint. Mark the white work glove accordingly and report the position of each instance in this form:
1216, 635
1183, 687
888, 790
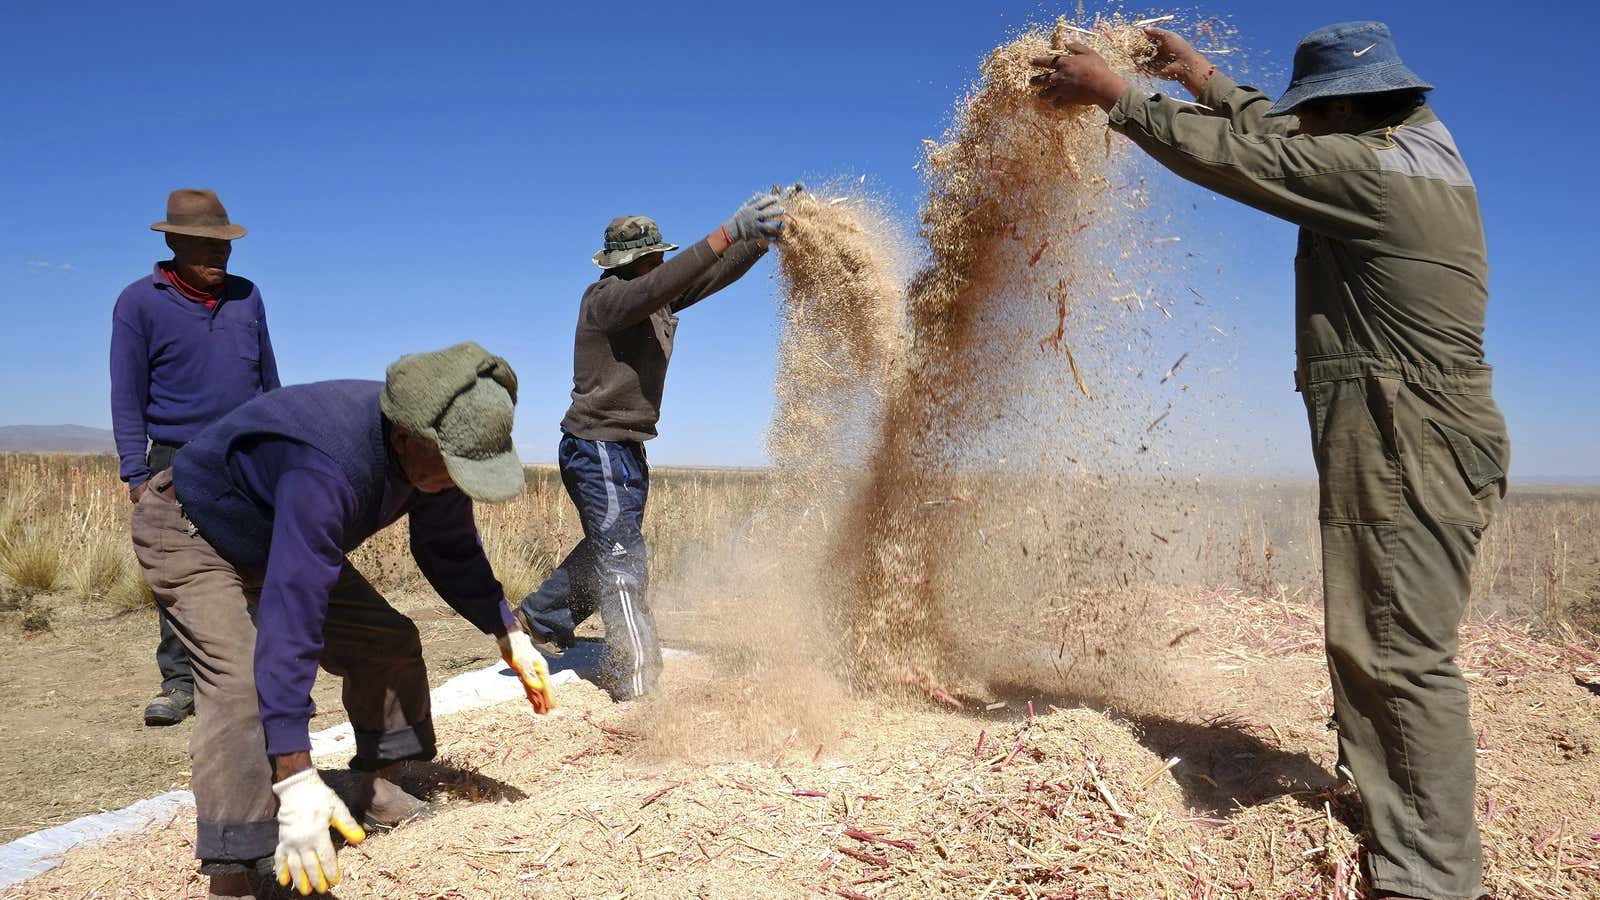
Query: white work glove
517, 650
306, 808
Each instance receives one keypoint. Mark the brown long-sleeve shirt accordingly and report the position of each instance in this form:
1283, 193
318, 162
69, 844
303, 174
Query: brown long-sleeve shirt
624, 339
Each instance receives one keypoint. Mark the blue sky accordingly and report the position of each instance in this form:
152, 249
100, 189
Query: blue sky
417, 174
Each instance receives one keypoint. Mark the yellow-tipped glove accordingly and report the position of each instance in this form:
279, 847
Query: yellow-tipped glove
517, 650
306, 809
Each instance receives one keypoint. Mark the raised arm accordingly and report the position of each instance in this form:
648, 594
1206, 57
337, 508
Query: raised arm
692, 275
1244, 107
730, 268
619, 303
1219, 95
1330, 184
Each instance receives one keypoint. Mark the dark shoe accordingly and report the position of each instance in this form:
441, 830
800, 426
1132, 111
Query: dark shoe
170, 707
386, 805
545, 644
256, 885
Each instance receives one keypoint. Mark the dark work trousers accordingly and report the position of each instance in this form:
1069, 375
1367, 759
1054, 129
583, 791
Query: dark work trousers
366, 642
1412, 463
171, 659
609, 482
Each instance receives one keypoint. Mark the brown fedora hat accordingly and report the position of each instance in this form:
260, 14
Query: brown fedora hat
198, 213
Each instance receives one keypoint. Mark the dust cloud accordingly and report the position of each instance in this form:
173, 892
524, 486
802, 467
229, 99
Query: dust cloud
965, 508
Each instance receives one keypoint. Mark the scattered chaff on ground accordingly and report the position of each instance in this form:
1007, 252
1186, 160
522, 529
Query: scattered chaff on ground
913, 801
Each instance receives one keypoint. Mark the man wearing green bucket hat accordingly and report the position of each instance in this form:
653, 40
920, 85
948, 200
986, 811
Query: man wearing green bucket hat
245, 543
626, 323
1411, 450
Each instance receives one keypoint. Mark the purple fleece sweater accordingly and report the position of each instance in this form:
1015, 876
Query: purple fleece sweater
315, 522
176, 366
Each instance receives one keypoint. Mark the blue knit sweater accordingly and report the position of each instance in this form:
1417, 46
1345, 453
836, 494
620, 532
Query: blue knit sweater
290, 483
176, 366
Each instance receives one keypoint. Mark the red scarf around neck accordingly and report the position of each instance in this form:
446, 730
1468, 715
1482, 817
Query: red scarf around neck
209, 298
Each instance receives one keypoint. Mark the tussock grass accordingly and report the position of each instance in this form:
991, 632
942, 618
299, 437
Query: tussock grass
30, 545
31, 558
99, 567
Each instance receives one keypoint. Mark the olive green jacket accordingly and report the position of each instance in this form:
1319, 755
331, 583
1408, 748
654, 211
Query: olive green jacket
1391, 277
1391, 261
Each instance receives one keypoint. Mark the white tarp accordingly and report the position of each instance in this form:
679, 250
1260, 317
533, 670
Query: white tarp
28, 856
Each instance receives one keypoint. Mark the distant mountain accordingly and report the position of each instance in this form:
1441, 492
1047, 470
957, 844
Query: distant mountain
55, 439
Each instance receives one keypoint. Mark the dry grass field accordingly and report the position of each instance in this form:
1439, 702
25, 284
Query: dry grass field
64, 538
64, 533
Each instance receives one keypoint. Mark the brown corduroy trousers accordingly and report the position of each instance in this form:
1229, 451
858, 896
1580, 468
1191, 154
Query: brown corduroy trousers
212, 605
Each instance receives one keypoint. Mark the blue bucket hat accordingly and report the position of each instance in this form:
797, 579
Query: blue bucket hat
1343, 60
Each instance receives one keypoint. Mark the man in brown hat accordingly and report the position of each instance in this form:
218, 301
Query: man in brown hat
626, 324
188, 344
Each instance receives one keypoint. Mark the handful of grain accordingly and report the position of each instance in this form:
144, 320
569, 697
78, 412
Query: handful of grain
842, 274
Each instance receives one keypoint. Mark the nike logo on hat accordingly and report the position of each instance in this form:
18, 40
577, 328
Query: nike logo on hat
1363, 50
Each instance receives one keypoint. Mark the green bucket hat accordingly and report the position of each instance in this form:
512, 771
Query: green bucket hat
628, 238
462, 398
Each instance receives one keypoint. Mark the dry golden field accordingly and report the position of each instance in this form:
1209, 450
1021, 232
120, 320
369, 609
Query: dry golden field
63, 532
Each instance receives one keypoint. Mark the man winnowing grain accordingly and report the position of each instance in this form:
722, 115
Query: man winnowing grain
627, 320
1391, 286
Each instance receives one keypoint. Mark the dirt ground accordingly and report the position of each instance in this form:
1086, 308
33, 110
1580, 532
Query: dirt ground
72, 700
697, 794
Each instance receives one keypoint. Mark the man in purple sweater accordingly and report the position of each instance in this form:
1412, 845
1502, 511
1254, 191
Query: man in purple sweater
245, 541
188, 344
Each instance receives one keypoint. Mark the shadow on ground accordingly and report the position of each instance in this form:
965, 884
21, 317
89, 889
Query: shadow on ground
1223, 768
440, 783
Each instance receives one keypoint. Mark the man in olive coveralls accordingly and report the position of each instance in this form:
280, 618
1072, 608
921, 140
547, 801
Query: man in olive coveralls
1391, 283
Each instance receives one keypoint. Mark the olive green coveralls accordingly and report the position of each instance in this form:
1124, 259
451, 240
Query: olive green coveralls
1391, 284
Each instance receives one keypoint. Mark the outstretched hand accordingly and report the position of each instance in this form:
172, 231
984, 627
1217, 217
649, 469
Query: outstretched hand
1078, 76
759, 219
1176, 60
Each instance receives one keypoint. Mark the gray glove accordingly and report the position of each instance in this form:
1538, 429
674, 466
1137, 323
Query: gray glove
759, 219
